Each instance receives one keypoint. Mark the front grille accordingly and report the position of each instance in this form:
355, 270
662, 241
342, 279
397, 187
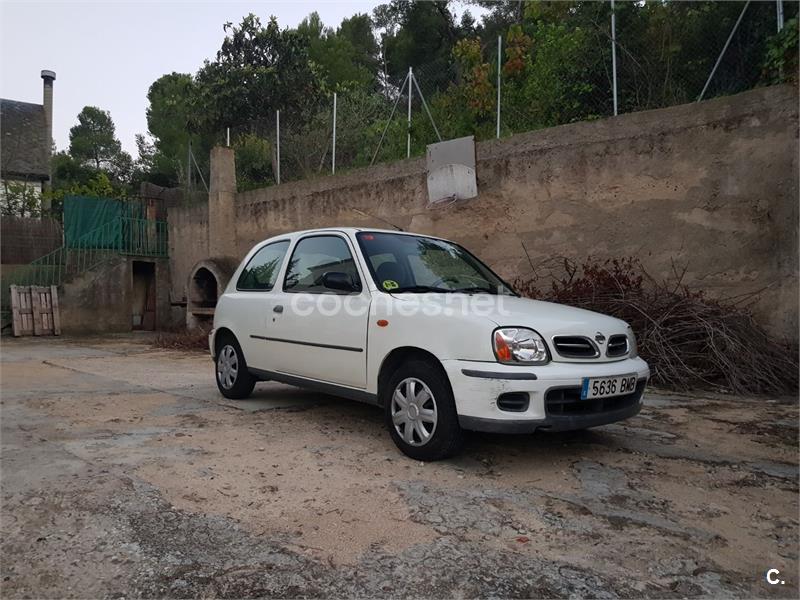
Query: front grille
617, 345
567, 401
574, 346
513, 401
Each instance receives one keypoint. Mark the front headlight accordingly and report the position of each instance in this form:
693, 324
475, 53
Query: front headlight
633, 350
519, 346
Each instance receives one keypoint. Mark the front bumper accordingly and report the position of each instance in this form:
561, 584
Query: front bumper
477, 386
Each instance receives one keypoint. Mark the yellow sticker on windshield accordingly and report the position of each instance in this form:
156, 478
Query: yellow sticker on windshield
390, 284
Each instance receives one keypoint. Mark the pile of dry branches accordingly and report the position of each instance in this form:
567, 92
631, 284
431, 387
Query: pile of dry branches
183, 339
689, 340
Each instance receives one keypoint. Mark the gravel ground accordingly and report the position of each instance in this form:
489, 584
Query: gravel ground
125, 474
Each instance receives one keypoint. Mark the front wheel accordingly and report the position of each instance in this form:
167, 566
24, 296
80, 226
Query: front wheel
421, 413
233, 379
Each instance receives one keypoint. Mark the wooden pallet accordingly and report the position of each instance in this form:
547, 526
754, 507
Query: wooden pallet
34, 310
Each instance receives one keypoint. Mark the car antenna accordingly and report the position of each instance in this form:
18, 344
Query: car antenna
378, 218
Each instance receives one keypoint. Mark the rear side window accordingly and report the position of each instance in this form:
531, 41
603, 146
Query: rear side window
261, 271
315, 256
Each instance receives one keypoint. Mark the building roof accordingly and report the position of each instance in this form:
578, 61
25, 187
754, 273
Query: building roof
23, 140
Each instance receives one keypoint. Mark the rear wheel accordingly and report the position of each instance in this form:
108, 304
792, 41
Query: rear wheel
420, 412
233, 379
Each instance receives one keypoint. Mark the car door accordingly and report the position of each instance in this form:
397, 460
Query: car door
251, 303
317, 332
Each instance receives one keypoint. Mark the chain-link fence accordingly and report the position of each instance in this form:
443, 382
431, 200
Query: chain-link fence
549, 73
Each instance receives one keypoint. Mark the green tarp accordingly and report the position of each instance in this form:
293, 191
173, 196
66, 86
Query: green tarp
95, 223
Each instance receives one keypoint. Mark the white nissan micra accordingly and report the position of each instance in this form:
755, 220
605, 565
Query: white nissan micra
422, 328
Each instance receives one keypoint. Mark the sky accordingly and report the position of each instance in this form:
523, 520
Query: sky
107, 53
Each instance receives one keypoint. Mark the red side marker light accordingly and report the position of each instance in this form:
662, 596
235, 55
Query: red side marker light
382, 323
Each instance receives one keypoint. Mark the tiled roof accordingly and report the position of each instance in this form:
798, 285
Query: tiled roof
23, 140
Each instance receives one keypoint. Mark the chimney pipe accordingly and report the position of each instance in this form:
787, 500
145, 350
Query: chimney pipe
47, 102
49, 77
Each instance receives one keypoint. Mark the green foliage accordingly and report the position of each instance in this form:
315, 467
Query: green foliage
780, 62
555, 69
554, 84
95, 164
170, 123
93, 141
19, 199
253, 161
345, 57
358, 31
86, 183
418, 33
258, 70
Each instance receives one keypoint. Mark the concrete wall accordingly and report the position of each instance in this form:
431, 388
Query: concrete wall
188, 244
712, 186
101, 300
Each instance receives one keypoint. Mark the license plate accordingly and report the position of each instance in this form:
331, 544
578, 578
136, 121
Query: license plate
604, 387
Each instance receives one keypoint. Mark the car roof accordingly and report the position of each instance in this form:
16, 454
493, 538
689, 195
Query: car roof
345, 230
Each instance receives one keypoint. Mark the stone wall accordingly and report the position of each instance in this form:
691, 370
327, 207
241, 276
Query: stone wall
710, 186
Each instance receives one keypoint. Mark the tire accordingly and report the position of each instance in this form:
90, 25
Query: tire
433, 413
234, 381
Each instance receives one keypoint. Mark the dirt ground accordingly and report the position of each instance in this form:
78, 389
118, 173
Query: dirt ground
125, 474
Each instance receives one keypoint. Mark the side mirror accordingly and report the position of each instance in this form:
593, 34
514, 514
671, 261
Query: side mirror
341, 282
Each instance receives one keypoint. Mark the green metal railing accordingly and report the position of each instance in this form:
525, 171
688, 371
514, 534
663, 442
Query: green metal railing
121, 236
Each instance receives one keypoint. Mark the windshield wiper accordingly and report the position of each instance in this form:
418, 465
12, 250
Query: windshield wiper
420, 289
476, 288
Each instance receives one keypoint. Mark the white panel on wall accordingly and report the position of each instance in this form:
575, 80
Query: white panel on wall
451, 170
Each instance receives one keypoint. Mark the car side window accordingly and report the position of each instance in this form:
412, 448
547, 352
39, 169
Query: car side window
261, 271
315, 256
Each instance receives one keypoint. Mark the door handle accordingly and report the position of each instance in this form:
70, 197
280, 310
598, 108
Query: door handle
278, 308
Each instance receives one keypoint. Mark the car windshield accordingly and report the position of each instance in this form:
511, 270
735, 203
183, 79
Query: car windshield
415, 264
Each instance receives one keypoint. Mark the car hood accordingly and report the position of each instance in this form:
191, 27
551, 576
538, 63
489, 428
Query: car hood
549, 318
481, 313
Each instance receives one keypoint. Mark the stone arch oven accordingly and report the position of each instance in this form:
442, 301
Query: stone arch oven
207, 281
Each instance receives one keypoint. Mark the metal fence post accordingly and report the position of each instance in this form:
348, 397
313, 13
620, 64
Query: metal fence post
724, 48
189, 166
389, 122
333, 153
499, 55
278, 147
779, 10
408, 139
614, 55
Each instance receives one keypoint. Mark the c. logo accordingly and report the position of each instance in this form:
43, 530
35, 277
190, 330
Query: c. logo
390, 284
774, 580
599, 338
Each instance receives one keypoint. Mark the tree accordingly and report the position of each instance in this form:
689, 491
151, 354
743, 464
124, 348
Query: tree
358, 30
171, 124
418, 34
75, 177
347, 57
93, 141
257, 71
